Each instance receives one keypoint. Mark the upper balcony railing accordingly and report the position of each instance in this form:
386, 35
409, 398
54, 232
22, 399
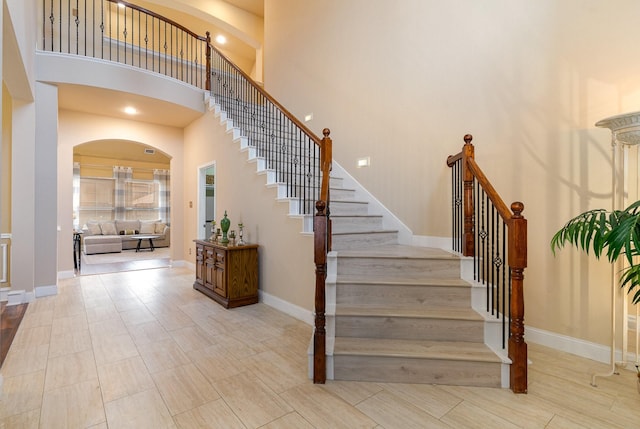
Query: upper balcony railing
118, 31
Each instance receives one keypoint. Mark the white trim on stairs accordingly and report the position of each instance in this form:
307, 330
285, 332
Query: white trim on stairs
389, 220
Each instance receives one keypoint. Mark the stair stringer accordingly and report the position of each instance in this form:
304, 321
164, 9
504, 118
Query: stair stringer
493, 335
375, 207
389, 220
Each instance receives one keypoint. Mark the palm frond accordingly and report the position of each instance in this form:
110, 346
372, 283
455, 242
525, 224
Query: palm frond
631, 279
615, 232
584, 232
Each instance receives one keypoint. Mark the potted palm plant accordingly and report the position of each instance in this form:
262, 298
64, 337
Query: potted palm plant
614, 233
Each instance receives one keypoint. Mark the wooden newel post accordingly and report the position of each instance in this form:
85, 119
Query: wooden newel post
326, 164
517, 264
207, 83
320, 259
468, 247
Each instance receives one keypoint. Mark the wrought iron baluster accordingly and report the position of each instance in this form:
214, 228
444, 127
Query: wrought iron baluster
497, 262
504, 281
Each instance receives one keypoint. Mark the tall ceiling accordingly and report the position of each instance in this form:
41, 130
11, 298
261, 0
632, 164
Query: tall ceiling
111, 103
255, 7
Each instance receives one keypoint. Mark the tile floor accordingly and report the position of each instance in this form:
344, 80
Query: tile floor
142, 349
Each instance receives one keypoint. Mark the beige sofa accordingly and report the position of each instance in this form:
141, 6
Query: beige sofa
116, 236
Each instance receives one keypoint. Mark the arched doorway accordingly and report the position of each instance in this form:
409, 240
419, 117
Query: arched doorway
121, 206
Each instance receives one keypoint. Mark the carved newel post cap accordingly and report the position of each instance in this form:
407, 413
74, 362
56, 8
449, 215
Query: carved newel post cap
320, 206
326, 132
517, 207
467, 138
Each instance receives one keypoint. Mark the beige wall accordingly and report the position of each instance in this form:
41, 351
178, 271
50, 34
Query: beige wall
402, 82
285, 255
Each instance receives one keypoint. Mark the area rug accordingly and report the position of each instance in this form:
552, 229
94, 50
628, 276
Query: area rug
125, 256
127, 260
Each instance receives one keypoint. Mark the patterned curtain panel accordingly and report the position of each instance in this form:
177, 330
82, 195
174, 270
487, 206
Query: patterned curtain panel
164, 178
121, 174
76, 195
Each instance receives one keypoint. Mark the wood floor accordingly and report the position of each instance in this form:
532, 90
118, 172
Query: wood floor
142, 349
10, 318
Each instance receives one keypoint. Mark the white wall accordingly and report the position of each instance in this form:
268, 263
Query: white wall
402, 82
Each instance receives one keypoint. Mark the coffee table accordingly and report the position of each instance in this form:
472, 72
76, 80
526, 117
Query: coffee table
141, 237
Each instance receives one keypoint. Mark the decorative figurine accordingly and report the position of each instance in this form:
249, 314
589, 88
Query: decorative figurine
225, 223
213, 231
240, 241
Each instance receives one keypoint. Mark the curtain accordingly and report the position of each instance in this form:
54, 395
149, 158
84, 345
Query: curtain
122, 175
76, 195
163, 177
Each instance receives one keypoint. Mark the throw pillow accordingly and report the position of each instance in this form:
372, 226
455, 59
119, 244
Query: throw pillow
108, 228
128, 232
147, 228
94, 228
160, 227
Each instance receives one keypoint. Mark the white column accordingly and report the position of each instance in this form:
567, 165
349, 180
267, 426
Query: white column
46, 225
23, 197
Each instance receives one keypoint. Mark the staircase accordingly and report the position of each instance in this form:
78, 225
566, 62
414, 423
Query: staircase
395, 313
399, 313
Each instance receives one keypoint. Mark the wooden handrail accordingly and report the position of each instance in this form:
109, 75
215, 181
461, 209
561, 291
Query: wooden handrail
517, 253
160, 17
317, 140
493, 195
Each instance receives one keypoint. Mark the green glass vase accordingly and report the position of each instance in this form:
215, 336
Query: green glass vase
225, 223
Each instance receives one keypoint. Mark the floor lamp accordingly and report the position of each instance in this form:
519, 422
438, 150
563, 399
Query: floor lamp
625, 135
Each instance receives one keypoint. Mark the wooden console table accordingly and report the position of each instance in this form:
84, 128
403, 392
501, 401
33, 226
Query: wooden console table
227, 274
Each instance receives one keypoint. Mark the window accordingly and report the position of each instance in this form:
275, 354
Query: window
97, 197
142, 200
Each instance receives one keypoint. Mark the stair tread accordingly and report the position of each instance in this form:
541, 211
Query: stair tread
389, 251
376, 231
407, 311
397, 281
355, 216
451, 350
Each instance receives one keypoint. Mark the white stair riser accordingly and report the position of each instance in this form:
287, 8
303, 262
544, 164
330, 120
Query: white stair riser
386, 268
359, 240
409, 328
348, 208
342, 194
425, 371
428, 296
335, 182
356, 223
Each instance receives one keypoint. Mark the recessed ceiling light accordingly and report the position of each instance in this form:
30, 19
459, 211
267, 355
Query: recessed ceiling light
130, 110
221, 39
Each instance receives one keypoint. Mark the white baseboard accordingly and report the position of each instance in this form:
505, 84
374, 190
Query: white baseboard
4, 294
435, 242
287, 308
576, 346
66, 274
16, 297
49, 290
